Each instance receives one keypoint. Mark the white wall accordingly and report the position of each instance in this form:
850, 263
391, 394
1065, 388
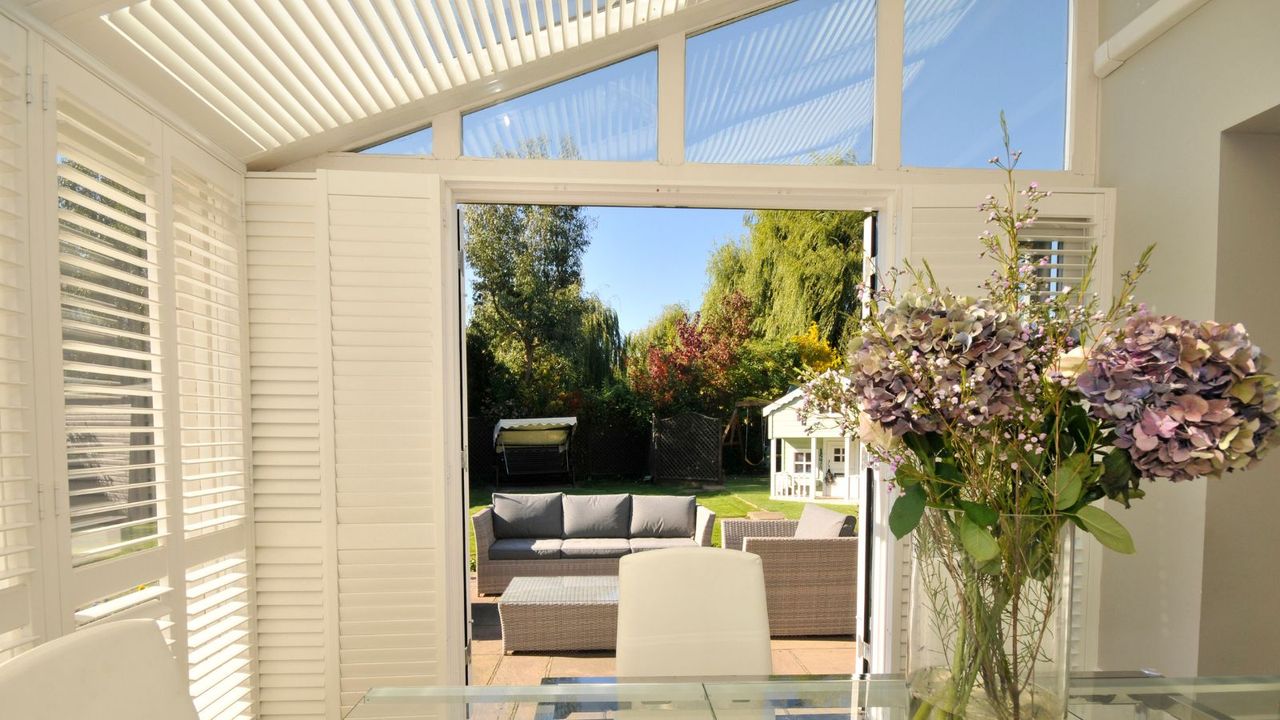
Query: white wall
1162, 115
1238, 630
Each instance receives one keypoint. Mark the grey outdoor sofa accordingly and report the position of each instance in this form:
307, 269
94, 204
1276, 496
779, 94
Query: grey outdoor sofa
547, 534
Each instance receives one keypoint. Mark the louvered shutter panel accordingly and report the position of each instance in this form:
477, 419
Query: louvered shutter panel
208, 237
18, 512
110, 327
386, 319
294, 619
942, 225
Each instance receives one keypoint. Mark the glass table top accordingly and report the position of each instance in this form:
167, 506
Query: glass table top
1096, 697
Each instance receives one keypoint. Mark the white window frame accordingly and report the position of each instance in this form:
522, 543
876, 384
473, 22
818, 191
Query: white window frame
802, 462
1080, 143
837, 455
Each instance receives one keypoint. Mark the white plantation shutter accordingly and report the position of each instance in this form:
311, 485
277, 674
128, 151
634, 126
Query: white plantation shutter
152, 514
295, 616
109, 269
388, 411
942, 225
208, 237
18, 512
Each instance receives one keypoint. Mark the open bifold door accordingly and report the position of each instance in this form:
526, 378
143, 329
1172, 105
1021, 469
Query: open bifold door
353, 299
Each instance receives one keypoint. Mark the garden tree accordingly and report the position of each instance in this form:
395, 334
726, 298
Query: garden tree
601, 350
815, 352
695, 371
797, 268
527, 292
661, 331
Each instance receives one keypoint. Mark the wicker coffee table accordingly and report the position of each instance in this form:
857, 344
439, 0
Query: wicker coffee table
559, 613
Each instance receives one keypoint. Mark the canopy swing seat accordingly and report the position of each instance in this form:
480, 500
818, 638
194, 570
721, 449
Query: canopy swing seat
532, 449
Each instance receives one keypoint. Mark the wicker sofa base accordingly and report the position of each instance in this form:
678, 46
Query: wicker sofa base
497, 574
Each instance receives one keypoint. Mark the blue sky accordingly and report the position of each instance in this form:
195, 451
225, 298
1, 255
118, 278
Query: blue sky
643, 259
782, 87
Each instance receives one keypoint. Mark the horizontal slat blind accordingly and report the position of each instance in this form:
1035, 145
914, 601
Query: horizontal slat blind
284, 337
207, 237
18, 514
219, 658
385, 278
107, 244
1059, 247
208, 241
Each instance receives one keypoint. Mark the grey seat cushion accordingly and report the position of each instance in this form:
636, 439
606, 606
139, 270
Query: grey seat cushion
597, 516
537, 515
662, 516
525, 549
642, 544
820, 522
594, 548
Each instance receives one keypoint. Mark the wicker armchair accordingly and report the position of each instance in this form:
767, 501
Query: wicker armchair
810, 585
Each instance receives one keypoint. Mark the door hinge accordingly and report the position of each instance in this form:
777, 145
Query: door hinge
30, 94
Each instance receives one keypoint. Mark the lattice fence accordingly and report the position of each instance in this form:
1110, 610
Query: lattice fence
686, 447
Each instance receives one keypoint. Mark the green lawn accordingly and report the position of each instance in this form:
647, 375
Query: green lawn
740, 496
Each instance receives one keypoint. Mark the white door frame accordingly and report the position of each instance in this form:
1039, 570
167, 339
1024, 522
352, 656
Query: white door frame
465, 187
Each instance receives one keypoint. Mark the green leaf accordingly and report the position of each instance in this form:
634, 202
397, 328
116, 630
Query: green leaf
977, 540
1107, 529
906, 512
1119, 477
1067, 481
979, 513
906, 476
922, 446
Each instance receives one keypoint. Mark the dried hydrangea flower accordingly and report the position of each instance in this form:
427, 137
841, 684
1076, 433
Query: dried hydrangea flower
1187, 400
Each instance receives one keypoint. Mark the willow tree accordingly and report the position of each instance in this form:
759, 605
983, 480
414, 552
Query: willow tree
601, 350
796, 267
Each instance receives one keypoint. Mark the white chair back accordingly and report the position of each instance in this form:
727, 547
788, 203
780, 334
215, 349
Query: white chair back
692, 613
117, 671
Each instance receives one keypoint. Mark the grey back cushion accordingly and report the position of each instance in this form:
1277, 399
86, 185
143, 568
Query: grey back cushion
820, 522
528, 516
597, 516
662, 516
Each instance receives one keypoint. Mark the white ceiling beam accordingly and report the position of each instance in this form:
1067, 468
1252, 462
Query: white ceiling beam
516, 80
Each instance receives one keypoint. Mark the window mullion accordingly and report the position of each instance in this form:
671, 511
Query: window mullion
671, 78
886, 126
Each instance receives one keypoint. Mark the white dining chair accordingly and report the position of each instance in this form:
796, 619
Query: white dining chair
117, 671
694, 612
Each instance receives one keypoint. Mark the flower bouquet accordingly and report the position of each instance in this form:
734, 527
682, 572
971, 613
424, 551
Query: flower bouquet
1006, 418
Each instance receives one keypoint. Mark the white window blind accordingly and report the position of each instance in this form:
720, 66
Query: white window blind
107, 243
219, 662
207, 281
18, 513
1064, 244
207, 233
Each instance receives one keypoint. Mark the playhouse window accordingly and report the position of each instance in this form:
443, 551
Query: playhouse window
803, 462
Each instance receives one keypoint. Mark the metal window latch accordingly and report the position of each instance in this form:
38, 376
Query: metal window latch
30, 95
44, 92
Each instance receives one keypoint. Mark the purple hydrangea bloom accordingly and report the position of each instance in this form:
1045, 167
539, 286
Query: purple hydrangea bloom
1187, 400
941, 360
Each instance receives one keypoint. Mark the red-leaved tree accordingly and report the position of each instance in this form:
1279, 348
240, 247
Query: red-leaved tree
693, 372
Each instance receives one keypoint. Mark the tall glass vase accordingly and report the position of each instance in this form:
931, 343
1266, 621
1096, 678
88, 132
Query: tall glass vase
989, 639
